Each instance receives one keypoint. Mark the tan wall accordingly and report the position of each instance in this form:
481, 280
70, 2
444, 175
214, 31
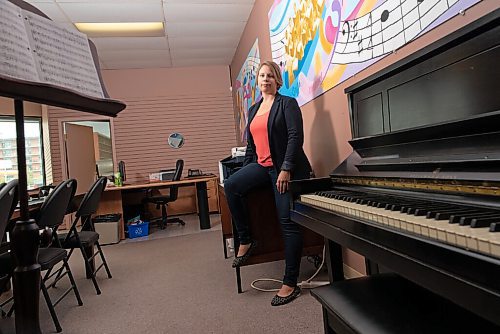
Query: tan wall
46, 145
30, 109
195, 102
326, 118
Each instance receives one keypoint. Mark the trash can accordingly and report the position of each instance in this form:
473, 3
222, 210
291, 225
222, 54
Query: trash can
108, 227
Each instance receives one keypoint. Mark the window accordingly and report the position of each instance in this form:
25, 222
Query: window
34, 151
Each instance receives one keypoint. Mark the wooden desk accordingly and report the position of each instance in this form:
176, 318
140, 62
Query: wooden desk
33, 206
111, 201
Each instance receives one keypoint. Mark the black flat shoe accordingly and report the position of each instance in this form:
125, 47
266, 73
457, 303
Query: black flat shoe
278, 301
240, 260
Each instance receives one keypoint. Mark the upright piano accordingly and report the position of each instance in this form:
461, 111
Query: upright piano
420, 194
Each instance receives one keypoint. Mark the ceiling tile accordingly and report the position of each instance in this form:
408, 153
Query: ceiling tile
52, 10
206, 12
68, 25
113, 12
199, 32
203, 42
185, 62
146, 55
130, 64
111, 1
220, 29
206, 52
248, 2
121, 43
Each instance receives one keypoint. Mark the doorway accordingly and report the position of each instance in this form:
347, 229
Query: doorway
88, 151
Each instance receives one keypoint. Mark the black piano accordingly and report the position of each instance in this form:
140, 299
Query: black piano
420, 194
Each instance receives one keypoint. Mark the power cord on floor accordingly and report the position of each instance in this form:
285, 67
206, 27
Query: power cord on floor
307, 284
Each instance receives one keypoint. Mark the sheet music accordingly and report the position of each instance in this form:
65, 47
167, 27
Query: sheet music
16, 59
62, 56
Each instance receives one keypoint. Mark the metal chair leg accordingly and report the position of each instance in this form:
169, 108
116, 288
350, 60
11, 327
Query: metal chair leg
90, 270
103, 260
51, 308
73, 283
59, 272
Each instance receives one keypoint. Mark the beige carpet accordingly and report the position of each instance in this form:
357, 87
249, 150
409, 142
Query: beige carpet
179, 284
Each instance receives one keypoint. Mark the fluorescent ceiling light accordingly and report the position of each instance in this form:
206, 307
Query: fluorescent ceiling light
122, 29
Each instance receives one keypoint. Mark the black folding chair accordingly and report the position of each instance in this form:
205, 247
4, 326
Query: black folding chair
8, 201
87, 237
51, 216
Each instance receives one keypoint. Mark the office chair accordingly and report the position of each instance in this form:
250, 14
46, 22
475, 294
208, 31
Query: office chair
163, 200
87, 237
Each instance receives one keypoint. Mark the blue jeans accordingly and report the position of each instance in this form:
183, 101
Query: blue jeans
238, 186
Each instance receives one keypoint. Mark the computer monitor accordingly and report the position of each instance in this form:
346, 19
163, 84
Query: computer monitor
121, 170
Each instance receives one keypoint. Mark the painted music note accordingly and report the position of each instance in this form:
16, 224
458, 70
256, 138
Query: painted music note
386, 28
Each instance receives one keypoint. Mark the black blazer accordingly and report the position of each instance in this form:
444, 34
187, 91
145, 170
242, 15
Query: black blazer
286, 137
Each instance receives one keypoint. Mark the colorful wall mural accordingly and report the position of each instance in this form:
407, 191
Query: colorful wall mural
246, 91
321, 43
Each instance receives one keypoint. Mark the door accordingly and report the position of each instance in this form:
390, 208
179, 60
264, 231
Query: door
80, 155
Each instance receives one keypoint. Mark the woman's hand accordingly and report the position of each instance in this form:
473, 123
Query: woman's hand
282, 182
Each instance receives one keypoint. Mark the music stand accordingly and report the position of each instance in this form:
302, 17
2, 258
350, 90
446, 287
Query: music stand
25, 235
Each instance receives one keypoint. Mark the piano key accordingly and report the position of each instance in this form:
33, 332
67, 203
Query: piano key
361, 201
455, 218
484, 222
482, 239
446, 214
495, 227
467, 220
424, 210
380, 204
412, 206
495, 246
393, 207
410, 209
478, 240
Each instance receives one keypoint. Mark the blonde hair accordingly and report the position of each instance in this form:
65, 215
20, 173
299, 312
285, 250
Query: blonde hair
275, 69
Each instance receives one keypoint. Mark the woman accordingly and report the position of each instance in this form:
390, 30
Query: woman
274, 156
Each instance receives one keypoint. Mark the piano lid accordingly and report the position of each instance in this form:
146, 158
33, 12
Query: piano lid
434, 115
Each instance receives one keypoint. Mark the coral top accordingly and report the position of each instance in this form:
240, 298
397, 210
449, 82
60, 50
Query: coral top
258, 128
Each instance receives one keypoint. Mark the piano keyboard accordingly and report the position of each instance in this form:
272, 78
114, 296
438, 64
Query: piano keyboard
466, 227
